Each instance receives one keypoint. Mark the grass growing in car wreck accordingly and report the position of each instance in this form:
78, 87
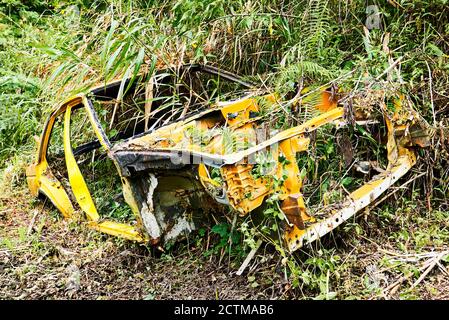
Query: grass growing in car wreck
380, 254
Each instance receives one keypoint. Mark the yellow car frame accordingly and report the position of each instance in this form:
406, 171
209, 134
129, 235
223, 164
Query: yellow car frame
186, 161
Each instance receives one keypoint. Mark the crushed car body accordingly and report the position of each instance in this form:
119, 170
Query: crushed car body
189, 151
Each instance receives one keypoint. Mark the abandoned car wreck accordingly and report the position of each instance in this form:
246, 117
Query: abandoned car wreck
186, 144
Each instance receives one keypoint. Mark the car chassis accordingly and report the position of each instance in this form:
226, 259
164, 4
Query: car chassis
165, 171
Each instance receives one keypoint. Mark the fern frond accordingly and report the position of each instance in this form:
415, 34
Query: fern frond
300, 70
316, 27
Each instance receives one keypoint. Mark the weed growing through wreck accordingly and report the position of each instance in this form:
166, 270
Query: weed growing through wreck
229, 241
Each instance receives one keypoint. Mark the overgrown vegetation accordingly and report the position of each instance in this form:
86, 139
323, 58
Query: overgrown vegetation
50, 50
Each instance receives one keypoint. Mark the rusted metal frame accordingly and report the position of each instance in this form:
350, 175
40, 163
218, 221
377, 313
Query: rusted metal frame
292, 201
400, 161
356, 201
95, 91
44, 182
137, 193
225, 74
132, 192
184, 156
49, 124
76, 179
39, 176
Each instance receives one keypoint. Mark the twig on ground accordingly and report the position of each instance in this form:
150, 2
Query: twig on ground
431, 95
433, 260
248, 258
33, 220
433, 263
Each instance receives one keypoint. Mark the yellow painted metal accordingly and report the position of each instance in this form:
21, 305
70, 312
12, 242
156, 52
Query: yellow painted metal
53, 189
205, 179
240, 111
45, 138
400, 158
118, 229
289, 148
245, 193
40, 179
292, 200
173, 135
356, 201
95, 126
321, 99
76, 178
82, 193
